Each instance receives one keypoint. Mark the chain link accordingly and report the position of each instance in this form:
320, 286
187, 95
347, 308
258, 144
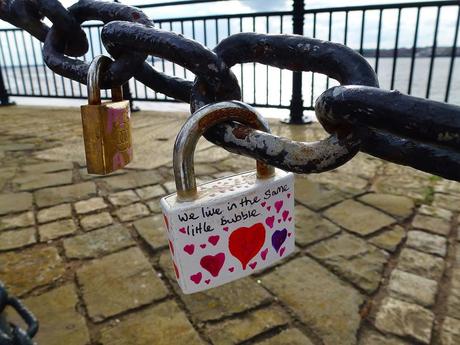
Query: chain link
11, 334
358, 115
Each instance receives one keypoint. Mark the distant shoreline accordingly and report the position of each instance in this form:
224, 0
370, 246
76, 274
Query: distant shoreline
407, 52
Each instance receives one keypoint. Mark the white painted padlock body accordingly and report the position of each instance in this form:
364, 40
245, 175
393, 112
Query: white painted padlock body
238, 224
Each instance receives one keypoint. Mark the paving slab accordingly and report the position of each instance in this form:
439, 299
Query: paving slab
163, 324
358, 218
60, 323
119, 282
335, 323
57, 195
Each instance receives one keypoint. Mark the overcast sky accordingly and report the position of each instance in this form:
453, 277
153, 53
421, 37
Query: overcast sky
427, 20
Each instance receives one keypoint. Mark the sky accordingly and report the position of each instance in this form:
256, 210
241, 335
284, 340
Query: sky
427, 20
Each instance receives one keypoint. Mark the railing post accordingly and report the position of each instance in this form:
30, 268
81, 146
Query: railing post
4, 97
296, 116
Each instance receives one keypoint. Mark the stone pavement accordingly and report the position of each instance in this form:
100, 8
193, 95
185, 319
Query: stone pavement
377, 260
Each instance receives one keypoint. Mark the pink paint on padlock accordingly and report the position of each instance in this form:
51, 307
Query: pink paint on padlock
115, 117
225, 229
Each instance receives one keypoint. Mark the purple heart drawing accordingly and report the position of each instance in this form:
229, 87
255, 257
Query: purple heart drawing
278, 238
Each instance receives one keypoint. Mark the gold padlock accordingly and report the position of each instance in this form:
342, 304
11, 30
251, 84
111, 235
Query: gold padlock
106, 126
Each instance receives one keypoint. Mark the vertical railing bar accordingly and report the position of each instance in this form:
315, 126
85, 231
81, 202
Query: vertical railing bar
45, 72
35, 65
414, 51
345, 37
216, 25
173, 64
312, 98
163, 60
363, 23
267, 29
20, 62
379, 35
12, 61
280, 70
395, 51
27, 62
254, 64
452, 57
241, 65
433, 52
183, 33
5, 67
329, 39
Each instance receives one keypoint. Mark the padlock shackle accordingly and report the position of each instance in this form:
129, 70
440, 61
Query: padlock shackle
100, 64
193, 129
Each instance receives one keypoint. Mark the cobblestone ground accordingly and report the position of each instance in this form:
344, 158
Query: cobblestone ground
377, 260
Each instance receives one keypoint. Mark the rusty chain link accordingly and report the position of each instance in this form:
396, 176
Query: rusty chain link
358, 115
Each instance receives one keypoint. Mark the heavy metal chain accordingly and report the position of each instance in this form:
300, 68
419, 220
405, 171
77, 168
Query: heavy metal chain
9, 333
358, 115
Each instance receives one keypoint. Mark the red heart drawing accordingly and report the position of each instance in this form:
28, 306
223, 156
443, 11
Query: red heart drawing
278, 205
189, 249
176, 270
183, 230
263, 254
203, 245
282, 251
269, 221
196, 278
244, 243
225, 228
213, 239
263, 204
171, 247
207, 281
285, 214
231, 269
213, 263
253, 265
166, 222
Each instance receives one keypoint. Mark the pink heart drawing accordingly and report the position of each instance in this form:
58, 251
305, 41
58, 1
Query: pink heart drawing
269, 221
279, 220
263, 254
285, 214
253, 265
207, 281
196, 278
203, 245
278, 205
189, 249
263, 204
231, 269
290, 218
289, 235
269, 208
183, 230
282, 251
213, 239
213, 263
288, 195
225, 228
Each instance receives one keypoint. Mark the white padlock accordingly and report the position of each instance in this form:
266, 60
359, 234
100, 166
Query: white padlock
227, 228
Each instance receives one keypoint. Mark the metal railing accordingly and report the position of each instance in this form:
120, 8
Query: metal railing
412, 46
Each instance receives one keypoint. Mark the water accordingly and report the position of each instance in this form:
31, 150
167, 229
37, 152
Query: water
271, 87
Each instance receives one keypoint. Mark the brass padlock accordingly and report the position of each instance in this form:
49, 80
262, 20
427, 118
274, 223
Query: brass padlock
106, 126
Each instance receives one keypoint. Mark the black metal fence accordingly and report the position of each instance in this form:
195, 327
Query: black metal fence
412, 46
